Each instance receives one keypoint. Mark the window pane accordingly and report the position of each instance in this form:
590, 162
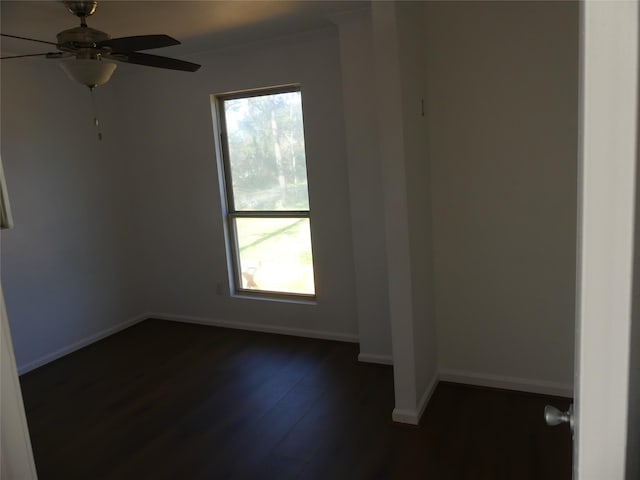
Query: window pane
266, 152
275, 254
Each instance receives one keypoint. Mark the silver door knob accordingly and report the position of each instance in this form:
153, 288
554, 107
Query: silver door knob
553, 416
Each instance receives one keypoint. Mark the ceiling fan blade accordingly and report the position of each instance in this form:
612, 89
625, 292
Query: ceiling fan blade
139, 42
45, 54
154, 61
59, 54
29, 39
31, 55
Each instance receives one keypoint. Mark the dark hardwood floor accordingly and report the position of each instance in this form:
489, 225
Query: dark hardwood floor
165, 400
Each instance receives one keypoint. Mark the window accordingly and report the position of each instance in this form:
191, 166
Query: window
265, 189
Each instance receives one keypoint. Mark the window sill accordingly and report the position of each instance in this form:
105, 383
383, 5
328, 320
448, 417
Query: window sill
270, 297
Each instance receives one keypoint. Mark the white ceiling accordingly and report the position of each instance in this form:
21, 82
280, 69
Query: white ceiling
199, 25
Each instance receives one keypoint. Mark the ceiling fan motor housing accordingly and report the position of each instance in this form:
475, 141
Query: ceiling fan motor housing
85, 37
82, 40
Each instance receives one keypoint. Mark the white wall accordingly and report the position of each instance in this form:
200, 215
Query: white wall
399, 68
63, 264
168, 141
365, 185
502, 80
411, 20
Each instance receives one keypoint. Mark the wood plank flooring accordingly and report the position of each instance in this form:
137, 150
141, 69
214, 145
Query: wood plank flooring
164, 400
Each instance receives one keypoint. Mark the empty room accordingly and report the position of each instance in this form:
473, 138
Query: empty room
318, 240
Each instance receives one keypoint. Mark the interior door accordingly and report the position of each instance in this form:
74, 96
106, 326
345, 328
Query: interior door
16, 456
605, 238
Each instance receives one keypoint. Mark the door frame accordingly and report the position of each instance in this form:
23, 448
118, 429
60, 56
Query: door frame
606, 182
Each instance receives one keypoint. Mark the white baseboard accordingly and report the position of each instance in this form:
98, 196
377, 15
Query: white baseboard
256, 327
507, 383
61, 352
410, 416
373, 358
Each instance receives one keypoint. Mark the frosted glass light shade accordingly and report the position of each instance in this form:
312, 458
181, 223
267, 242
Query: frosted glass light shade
87, 71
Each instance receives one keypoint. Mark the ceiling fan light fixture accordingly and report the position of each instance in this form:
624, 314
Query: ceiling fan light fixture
88, 71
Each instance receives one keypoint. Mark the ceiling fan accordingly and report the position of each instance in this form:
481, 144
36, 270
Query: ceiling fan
83, 49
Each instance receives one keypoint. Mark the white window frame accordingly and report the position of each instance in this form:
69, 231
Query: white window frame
230, 213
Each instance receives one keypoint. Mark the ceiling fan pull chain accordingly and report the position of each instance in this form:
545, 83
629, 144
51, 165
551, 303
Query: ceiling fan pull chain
94, 108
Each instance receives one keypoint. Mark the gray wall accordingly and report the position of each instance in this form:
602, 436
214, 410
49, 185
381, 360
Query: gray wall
502, 106
64, 271
168, 141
